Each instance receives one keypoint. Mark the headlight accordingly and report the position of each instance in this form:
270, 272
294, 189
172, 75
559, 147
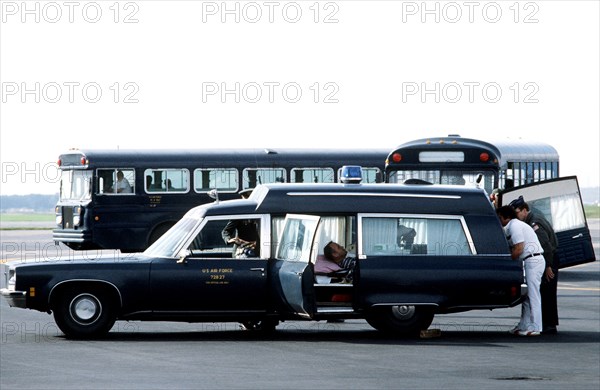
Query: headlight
11, 279
58, 213
76, 215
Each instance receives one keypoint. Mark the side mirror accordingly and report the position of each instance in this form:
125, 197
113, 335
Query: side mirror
183, 255
214, 194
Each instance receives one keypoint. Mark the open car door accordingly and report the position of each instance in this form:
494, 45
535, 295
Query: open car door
294, 274
559, 200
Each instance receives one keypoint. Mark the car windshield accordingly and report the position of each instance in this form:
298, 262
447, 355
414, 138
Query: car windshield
170, 243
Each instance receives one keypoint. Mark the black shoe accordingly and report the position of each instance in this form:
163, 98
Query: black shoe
550, 330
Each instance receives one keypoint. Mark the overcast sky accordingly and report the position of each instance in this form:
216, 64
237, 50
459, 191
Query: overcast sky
184, 74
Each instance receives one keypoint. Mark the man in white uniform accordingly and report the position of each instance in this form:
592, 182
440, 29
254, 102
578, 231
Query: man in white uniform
525, 246
123, 185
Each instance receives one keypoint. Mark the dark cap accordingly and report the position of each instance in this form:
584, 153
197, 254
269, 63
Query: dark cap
517, 203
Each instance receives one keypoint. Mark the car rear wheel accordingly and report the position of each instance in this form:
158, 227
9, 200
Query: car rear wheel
84, 313
265, 326
401, 319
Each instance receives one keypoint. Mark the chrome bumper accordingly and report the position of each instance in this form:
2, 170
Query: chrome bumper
15, 298
62, 235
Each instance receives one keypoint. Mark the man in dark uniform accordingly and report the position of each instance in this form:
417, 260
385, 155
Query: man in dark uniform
243, 234
549, 243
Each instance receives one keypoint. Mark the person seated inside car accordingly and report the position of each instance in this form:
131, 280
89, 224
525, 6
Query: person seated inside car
336, 263
405, 237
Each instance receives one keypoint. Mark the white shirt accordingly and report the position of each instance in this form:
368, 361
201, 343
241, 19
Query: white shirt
123, 186
518, 231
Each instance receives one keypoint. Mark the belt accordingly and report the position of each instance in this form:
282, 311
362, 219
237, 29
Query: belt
534, 254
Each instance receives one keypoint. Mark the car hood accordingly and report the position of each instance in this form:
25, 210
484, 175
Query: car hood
78, 261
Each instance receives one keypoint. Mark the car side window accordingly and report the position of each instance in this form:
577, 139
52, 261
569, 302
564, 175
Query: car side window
414, 236
221, 238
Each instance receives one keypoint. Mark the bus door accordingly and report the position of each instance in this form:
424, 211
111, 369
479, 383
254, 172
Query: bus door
293, 273
559, 200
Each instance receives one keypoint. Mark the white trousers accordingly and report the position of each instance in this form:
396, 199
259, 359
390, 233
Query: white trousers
531, 310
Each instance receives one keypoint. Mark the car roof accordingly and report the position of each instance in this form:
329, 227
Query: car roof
334, 198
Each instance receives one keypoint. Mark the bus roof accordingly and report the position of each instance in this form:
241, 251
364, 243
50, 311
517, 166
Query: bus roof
505, 150
206, 157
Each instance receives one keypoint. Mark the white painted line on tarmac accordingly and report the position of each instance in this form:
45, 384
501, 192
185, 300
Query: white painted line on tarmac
580, 288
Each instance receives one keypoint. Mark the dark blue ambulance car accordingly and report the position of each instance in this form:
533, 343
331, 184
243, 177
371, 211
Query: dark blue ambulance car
454, 258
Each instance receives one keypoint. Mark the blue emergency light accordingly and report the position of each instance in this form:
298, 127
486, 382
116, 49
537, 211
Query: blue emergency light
351, 174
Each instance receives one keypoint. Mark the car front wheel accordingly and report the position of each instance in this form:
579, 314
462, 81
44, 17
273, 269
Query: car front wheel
84, 313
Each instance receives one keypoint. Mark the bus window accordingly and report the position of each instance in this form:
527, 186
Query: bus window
453, 177
402, 176
167, 180
517, 174
222, 179
116, 181
483, 179
542, 172
554, 172
522, 174
251, 177
370, 175
312, 175
529, 174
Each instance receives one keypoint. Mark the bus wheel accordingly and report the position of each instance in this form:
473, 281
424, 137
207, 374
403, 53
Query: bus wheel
158, 232
84, 313
401, 319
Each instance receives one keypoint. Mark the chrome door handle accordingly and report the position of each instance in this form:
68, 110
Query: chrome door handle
580, 235
257, 269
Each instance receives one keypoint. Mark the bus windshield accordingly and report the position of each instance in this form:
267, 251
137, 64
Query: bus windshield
490, 165
75, 185
485, 179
